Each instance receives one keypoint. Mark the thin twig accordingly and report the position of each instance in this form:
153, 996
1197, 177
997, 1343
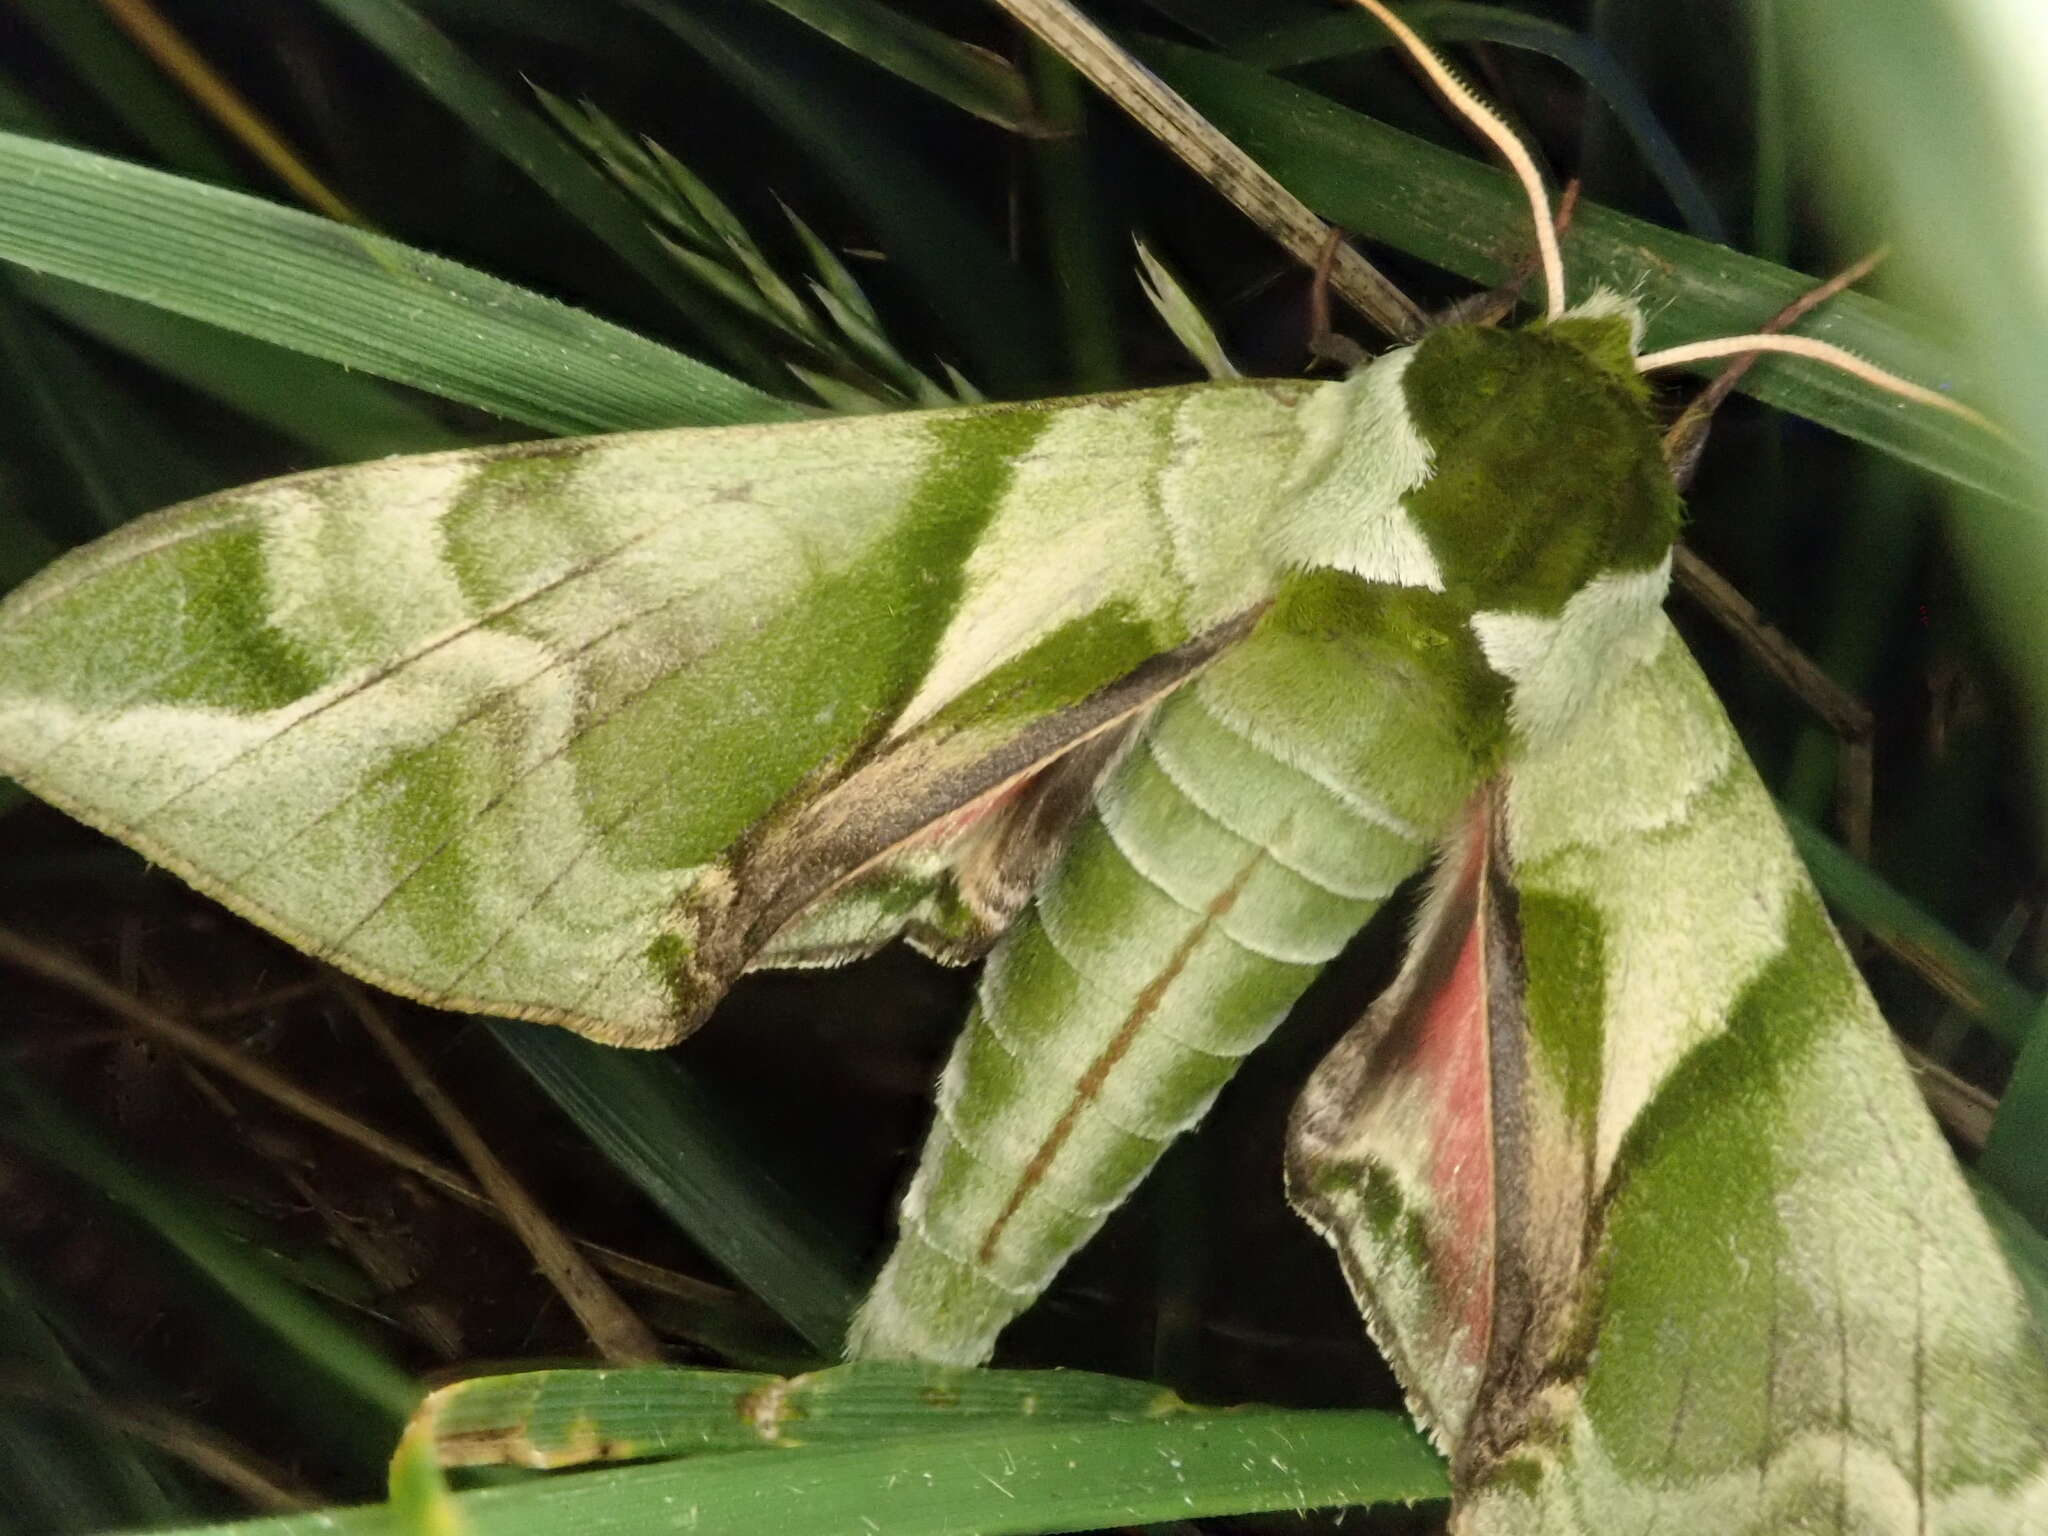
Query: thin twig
1687, 436
1963, 1107
619, 1333
198, 1447
65, 971
227, 106
1324, 341
1847, 716
371, 1252
1166, 115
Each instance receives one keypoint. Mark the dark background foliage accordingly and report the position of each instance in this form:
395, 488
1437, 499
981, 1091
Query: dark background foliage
162, 1228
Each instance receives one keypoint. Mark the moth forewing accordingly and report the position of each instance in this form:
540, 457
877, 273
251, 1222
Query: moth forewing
1794, 1305
513, 729
1635, 1191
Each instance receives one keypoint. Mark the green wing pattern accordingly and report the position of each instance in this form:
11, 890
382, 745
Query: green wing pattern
1724, 1275
566, 731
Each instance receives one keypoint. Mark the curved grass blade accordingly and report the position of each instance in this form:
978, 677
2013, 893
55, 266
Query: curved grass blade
1450, 210
2025, 1244
2001, 1005
343, 416
565, 1418
63, 1471
116, 461
331, 1376
2015, 1160
971, 78
1076, 226
1935, 123
509, 125
1153, 105
132, 87
1452, 21
351, 297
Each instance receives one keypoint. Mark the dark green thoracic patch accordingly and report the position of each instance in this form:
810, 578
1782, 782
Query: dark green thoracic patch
1547, 467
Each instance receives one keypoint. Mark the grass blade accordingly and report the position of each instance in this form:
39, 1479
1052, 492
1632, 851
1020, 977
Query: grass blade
570, 1418
62, 1472
1452, 21
1020, 1479
366, 1396
1934, 122
114, 459
509, 125
2002, 1005
971, 78
667, 1135
132, 87
353, 298
343, 416
2015, 1160
989, 309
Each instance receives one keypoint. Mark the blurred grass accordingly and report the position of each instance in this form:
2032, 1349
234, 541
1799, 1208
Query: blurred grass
181, 337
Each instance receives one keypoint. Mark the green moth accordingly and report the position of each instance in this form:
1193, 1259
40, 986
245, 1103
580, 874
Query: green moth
1154, 699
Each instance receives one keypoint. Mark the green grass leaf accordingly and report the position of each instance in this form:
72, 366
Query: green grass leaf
2015, 1160
972, 79
1453, 21
62, 1471
564, 1418
986, 304
343, 416
2002, 1005
353, 298
663, 1131
132, 87
1023, 1478
362, 1396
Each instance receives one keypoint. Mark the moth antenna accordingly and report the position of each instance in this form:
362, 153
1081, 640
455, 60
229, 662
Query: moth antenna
1489, 122
1821, 352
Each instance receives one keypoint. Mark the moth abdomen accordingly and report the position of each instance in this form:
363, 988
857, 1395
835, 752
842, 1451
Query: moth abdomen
1230, 854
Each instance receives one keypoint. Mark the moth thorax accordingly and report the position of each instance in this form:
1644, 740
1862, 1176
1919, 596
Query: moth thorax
1549, 508
1547, 471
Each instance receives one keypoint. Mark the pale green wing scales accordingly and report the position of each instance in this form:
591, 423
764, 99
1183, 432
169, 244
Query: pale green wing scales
570, 731
1687, 1254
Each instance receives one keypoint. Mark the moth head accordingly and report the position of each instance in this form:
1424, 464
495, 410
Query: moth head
1526, 478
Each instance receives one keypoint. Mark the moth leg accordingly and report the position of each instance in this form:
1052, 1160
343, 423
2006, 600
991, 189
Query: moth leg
1325, 343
